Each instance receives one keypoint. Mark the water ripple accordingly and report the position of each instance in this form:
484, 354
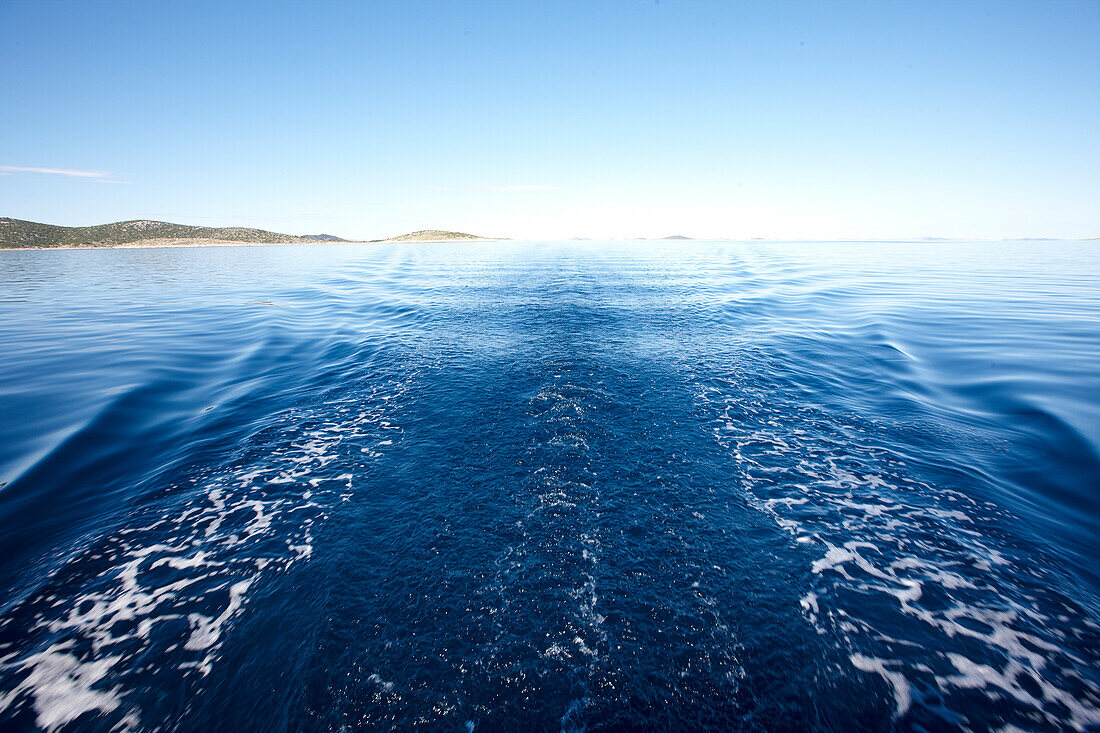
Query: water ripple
553, 485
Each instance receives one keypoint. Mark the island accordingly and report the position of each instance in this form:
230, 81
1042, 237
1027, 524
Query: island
22, 234
438, 235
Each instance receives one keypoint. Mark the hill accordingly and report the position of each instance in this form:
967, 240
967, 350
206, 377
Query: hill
19, 234
436, 235
322, 238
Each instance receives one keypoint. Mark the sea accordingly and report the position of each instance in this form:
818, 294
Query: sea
503, 486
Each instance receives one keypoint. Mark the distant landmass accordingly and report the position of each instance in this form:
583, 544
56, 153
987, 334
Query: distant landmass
19, 234
677, 236
436, 235
323, 238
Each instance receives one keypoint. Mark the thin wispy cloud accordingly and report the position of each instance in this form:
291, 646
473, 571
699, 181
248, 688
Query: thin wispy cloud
98, 176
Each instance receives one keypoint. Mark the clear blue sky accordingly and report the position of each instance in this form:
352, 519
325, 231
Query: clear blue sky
557, 119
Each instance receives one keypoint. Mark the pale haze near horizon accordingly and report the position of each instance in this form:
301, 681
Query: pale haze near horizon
556, 120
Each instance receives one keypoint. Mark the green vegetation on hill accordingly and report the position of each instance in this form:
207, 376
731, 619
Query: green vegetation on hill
16, 233
19, 234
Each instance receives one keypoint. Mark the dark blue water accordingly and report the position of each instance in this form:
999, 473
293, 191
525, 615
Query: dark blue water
551, 486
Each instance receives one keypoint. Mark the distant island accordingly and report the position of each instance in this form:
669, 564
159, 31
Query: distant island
20, 234
436, 235
323, 238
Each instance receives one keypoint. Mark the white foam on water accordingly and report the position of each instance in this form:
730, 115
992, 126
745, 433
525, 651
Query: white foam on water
809, 604
387, 686
882, 533
194, 570
898, 683
835, 557
972, 675
61, 687
205, 630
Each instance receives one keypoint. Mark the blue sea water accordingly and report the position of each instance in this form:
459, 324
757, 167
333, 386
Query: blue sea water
512, 486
